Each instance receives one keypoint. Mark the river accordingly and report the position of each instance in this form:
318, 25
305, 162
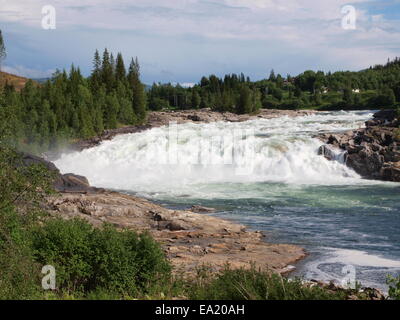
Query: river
266, 174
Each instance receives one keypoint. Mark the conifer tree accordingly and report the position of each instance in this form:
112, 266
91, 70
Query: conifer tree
96, 72
138, 92
107, 71
245, 100
120, 71
195, 99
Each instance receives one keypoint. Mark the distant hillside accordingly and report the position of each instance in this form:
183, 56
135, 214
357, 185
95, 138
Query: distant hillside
17, 81
41, 80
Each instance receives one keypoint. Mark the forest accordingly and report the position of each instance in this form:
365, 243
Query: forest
70, 106
373, 88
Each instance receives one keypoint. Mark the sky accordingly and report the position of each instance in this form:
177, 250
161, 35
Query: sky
182, 40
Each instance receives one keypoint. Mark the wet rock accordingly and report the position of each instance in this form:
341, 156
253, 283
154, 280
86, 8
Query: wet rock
176, 226
62, 182
373, 152
327, 152
200, 209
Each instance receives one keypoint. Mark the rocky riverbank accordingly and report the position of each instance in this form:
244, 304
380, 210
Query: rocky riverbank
163, 118
191, 238
374, 151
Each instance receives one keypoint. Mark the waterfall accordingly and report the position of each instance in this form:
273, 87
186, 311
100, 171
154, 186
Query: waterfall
179, 157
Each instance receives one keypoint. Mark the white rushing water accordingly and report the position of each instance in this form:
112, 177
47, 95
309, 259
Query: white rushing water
268, 175
281, 150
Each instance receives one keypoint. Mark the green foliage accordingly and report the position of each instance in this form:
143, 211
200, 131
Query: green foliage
70, 106
394, 287
139, 99
88, 259
21, 190
254, 285
89, 262
374, 88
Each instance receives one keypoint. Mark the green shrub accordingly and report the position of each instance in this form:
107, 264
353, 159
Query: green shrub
394, 287
19, 273
87, 259
254, 285
66, 246
19, 199
398, 112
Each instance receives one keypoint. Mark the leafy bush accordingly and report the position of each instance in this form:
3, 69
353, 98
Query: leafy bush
398, 112
19, 198
19, 278
394, 287
254, 285
88, 259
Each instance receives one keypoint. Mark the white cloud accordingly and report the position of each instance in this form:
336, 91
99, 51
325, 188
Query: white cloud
306, 27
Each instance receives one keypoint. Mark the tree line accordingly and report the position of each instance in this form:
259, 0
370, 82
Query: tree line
234, 93
373, 88
70, 106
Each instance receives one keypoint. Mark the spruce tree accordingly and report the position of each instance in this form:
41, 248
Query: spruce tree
96, 72
120, 71
138, 91
195, 99
245, 100
107, 71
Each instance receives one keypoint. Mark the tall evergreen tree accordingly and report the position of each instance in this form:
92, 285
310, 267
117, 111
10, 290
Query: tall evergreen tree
120, 71
138, 91
107, 71
96, 72
245, 100
196, 99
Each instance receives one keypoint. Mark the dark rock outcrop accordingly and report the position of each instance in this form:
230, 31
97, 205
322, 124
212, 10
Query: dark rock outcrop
374, 151
62, 182
327, 152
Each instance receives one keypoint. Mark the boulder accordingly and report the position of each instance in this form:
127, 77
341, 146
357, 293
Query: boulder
373, 152
62, 182
327, 152
200, 209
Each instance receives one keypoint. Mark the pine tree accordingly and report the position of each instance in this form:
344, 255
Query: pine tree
107, 71
195, 99
112, 111
96, 72
120, 71
257, 105
138, 91
245, 101
272, 76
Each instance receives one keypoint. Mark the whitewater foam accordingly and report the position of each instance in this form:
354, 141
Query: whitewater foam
283, 150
